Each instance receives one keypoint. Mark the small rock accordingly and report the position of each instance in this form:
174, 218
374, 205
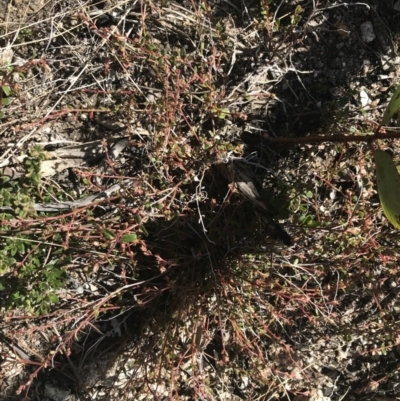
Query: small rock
367, 32
364, 98
6, 55
55, 393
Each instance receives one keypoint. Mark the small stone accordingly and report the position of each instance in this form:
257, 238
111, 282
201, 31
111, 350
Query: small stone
364, 98
56, 393
367, 32
6, 56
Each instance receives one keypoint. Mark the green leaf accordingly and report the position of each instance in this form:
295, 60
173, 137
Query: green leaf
144, 231
393, 106
129, 238
108, 233
54, 298
308, 221
6, 90
388, 180
223, 113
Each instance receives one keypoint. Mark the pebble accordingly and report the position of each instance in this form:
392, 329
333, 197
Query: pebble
367, 32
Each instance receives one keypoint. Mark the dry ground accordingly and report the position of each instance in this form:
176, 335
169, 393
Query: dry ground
131, 268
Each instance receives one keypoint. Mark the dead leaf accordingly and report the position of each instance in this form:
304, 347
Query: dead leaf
342, 29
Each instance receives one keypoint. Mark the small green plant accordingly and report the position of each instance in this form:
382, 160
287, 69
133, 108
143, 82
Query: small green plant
30, 276
296, 17
32, 165
24, 35
33, 284
6, 87
5, 92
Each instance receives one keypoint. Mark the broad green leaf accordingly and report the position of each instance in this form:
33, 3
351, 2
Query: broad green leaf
54, 298
388, 180
6, 90
129, 238
393, 106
